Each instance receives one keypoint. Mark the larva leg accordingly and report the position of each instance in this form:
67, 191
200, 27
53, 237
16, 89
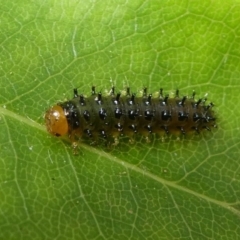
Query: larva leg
147, 139
116, 141
75, 148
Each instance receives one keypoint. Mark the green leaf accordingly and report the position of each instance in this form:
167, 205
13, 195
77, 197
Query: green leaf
187, 189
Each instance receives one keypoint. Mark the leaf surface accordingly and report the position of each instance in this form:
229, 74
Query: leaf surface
187, 189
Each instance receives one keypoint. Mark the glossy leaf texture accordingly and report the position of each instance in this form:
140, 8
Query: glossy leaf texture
174, 189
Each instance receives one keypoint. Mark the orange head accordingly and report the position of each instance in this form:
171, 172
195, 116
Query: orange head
56, 121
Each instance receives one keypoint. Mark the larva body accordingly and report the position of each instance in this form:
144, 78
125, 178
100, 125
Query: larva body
114, 115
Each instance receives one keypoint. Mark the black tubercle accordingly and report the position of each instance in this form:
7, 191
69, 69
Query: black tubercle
116, 101
118, 113
81, 100
102, 114
183, 100
144, 92
193, 95
165, 101
149, 128
198, 102
86, 115
182, 130
182, 116
148, 115
99, 99
166, 115
147, 99
161, 93
93, 90
165, 129
75, 93
128, 91
119, 127
113, 91
177, 93
131, 100
88, 132
132, 114
103, 133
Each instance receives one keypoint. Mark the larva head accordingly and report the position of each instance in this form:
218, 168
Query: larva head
56, 121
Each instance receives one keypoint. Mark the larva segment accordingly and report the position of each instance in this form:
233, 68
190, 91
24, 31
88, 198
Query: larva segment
114, 115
